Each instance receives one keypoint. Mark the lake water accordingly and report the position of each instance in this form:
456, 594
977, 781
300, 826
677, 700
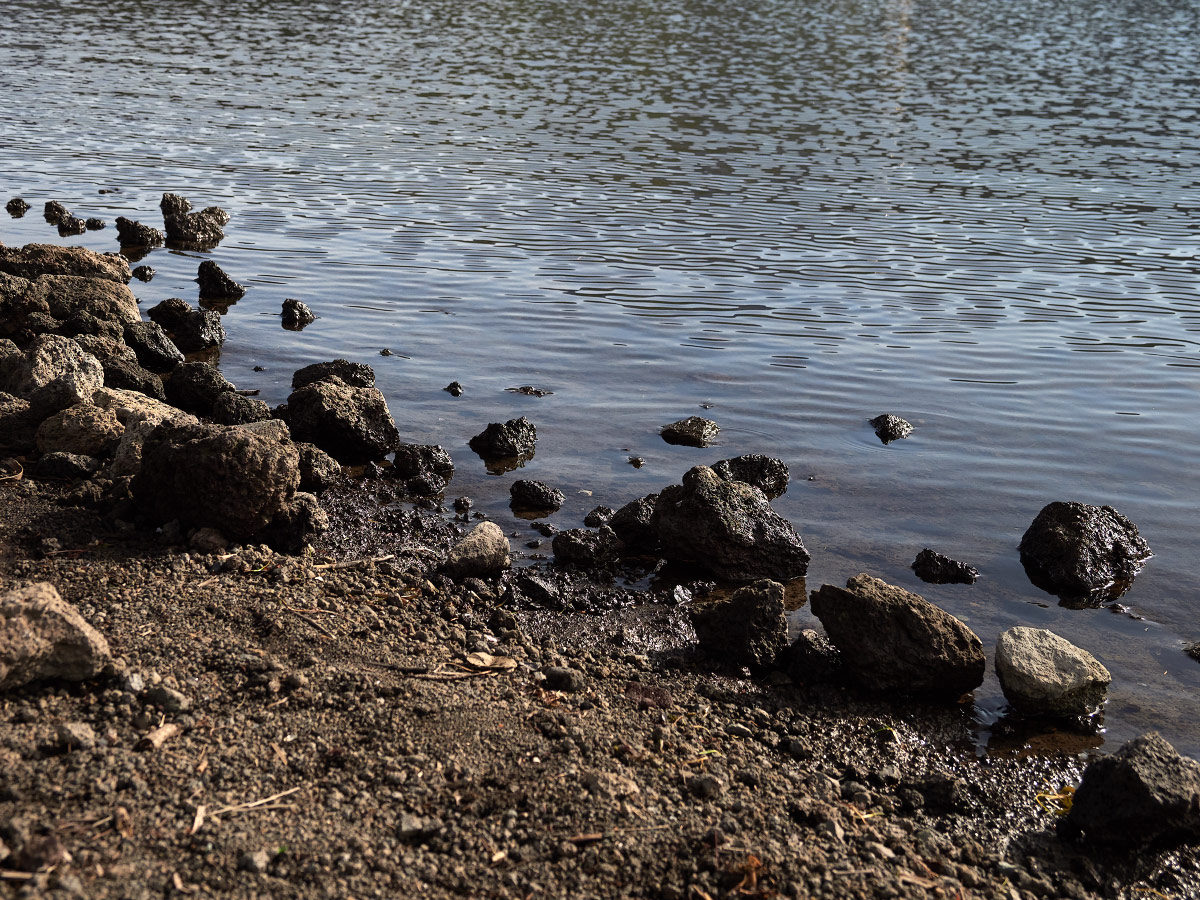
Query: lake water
982, 216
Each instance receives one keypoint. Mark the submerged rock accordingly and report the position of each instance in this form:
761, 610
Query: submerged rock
726, 528
42, 637
215, 284
16, 207
72, 225
1145, 792
693, 431
482, 553
1043, 674
192, 229
296, 315
454, 389
745, 629
353, 374
352, 424
514, 438
766, 473
535, 496
894, 641
934, 568
1082, 552
135, 234
890, 428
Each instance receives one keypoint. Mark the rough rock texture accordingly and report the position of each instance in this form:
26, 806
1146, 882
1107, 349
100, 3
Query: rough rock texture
72, 225
52, 374
214, 476
584, 549
726, 528
18, 425
296, 315
192, 329
33, 260
426, 469
482, 553
351, 424
297, 525
516, 437
768, 474
351, 373
934, 568
535, 496
144, 273
55, 212
195, 387
633, 525
693, 431
747, 628
155, 351
64, 466
174, 205
64, 304
231, 408
1145, 792
121, 368
42, 636
893, 641
1043, 674
84, 429
215, 284
1076, 550
599, 515
192, 229
16, 207
131, 407
135, 234
890, 428
318, 470
812, 658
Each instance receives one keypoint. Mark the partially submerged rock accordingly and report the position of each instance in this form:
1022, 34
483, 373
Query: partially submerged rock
352, 424
894, 641
191, 329
144, 273
134, 234
195, 230
351, 373
216, 285
72, 225
768, 474
43, 637
296, 315
16, 207
55, 212
934, 568
1043, 674
694, 431
726, 528
426, 469
890, 428
1145, 792
482, 553
514, 438
535, 496
1082, 552
747, 628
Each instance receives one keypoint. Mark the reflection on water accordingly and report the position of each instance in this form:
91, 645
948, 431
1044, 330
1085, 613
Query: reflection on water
981, 217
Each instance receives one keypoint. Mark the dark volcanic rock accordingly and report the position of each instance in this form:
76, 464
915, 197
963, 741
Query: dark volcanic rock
95, 224
516, 437
144, 273
192, 229
155, 350
454, 389
693, 431
890, 428
414, 460
745, 629
296, 315
16, 207
584, 549
352, 424
600, 515
894, 641
215, 284
65, 466
726, 528
935, 568
215, 476
174, 205
231, 408
766, 473
353, 374
72, 225
1082, 552
812, 658
297, 525
18, 425
535, 496
135, 234
34, 260
633, 525
1142, 793
192, 329
195, 386
318, 470
55, 212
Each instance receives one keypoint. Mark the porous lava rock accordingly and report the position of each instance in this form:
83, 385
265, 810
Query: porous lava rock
83, 429
633, 524
155, 350
33, 260
296, 315
351, 424
768, 474
53, 373
582, 548
192, 329
482, 553
694, 431
216, 285
935, 568
134, 234
44, 637
195, 387
351, 373
535, 496
747, 628
514, 438
890, 428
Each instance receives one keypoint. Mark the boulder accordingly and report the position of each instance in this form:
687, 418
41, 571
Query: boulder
482, 553
584, 549
1145, 792
155, 351
318, 470
426, 469
296, 315
633, 525
105, 299
121, 368
514, 438
65, 466
693, 431
195, 387
535, 496
726, 528
890, 428
1082, 552
196, 230
44, 637
215, 284
351, 424
894, 641
1043, 674
132, 407
768, 474
231, 408
134, 234
215, 476
353, 374
812, 658
52, 374
33, 260
192, 329
599, 515
747, 628
297, 525
934, 568
83, 429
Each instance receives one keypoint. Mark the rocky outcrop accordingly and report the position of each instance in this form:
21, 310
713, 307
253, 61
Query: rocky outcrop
694, 431
52, 374
515, 438
215, 284
768, 474
535, 496
1082, 552
482, 553
33, 260
44, 637
1043, 674
894, 641
726, 528
934, 568
890, 428
747, 628
351, 424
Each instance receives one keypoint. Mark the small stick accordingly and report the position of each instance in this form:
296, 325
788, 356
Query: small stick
198, 822
354, 562
159, 736
317, 625
242, 807
206, 582
10, 875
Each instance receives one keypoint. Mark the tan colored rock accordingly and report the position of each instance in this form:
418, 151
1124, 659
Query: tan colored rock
133, 406
42, 636
83, 429
481, 553
33, 260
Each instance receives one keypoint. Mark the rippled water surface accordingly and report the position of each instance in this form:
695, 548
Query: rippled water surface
982, 216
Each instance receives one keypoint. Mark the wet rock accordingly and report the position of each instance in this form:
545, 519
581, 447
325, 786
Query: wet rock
1080, 551
894, 641
747, 628
1145, 792
812, 658
42, 636
52, 374
562, 678
16, 207
890, 428
55, 212
174, 205
215, 476
535, 496
300, 523
296, 315
598, 516
693, 431
482, 553
353, 374
633, 524
318, 470
934, 568
584, 549
192, 329
766, 473
155, 351
454, 389
351, 424
416, 460
65, 466
528, 390
83, 429
144, 273
726, 528
514, 438
72, 225
94, 224
231, 408
135, 234
216, 285
34, 260
196, 230
195, 387
1043, 674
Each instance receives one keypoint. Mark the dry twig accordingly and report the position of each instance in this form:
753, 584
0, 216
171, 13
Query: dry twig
159, 736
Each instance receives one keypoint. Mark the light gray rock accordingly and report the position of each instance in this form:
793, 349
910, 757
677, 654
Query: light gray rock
52, 374
42, 636
1043, 674
483, 552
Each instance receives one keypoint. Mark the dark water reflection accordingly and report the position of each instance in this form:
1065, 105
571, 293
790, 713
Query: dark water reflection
980, 216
